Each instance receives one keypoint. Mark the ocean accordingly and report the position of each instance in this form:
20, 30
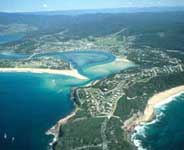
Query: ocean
29, 105
166, 131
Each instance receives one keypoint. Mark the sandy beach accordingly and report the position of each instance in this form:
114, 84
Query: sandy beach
72, 72
160, 99
121, 58
155, 101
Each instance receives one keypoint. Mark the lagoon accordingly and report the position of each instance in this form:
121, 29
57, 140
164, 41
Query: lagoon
10, 38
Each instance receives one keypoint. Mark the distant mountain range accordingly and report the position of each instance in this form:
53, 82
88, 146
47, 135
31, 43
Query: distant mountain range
108, 10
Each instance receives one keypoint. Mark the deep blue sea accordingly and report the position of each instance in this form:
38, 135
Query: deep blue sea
30, 104
166, 131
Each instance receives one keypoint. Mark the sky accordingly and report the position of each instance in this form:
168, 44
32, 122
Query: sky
52, 5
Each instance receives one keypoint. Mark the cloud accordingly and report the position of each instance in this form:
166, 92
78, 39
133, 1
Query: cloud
45, 5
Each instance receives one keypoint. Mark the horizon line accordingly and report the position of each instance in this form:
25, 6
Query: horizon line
91, 9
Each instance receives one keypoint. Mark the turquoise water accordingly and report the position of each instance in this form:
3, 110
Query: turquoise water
82, 58
92, 63
104, 70
166, 131
10, 37
30, 104
13, 56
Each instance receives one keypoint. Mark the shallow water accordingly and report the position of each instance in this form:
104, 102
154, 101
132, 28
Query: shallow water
103, 70
92, 63
82, 58
13, 56
166, 131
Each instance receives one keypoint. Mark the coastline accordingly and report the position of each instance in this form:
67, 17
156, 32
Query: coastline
72, 72
121, 58
158, 100
148, 115
54, 131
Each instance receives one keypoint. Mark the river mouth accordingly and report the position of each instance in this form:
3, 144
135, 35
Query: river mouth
32, 103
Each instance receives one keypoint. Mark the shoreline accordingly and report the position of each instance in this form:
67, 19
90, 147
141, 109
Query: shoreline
159, 100
148, 115
121, 58
54, 131
71, 73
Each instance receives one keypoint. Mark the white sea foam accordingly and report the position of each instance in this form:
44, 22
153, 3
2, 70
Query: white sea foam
136, 141
168, 100
140, 130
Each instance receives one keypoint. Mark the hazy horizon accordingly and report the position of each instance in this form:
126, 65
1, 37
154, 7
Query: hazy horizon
58, 5
99, 9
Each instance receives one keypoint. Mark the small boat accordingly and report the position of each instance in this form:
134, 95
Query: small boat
13, 139
5, 136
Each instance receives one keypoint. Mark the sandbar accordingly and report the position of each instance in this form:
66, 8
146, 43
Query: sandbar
72, 72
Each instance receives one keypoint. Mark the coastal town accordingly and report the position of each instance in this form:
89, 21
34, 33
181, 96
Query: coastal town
41, 62
100, 104
122, 97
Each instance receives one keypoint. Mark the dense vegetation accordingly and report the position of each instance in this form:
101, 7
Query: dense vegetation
157, 30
